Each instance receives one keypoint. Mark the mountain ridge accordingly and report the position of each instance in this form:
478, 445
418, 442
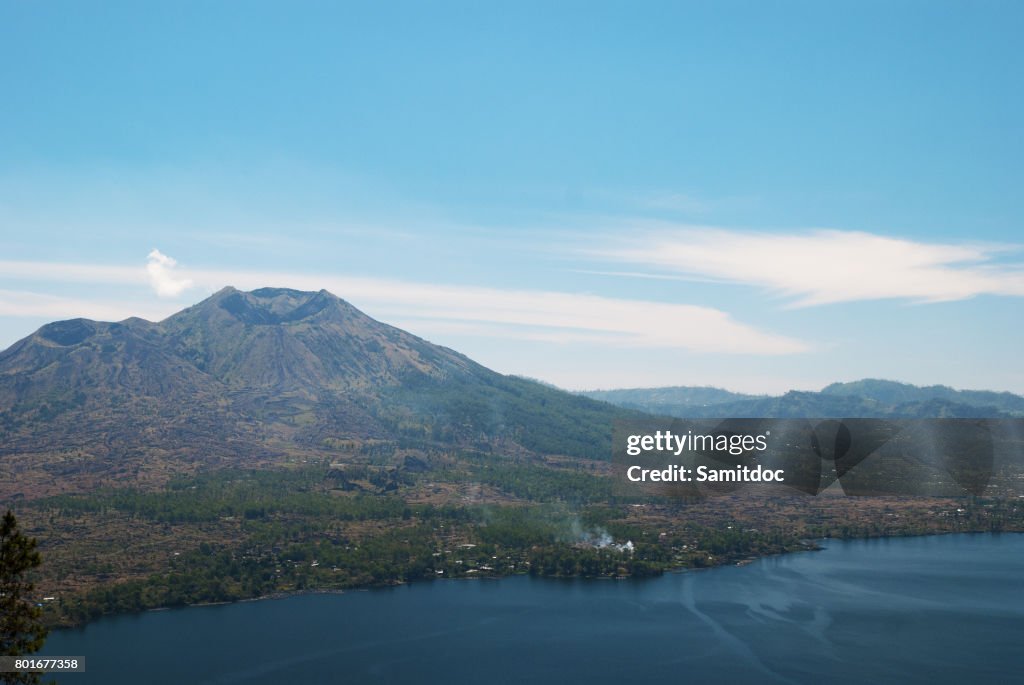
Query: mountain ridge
866, 398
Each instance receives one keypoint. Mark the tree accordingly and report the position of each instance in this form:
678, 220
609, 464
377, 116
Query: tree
21, 631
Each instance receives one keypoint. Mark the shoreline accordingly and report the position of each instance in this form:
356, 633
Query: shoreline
367, 588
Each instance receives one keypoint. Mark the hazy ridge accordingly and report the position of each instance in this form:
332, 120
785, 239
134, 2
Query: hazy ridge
867, 398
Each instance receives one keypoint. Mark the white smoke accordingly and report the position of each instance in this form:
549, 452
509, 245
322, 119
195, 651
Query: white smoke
597, 537
162, 277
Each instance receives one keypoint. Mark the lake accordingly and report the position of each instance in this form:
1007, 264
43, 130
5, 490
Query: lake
938, 609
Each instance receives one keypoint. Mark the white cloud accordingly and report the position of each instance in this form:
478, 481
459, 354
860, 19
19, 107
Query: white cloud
64, 272
18, 303
826, 266
532, 315
518, 314
161, 270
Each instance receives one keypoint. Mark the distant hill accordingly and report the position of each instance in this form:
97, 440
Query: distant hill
893, 393
243, 375
865, 399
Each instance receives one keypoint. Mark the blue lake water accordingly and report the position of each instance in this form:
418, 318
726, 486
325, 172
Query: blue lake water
944, 609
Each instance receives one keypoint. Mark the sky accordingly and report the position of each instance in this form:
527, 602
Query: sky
760, 196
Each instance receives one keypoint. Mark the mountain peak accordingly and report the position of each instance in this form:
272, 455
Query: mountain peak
270, 307
299, 340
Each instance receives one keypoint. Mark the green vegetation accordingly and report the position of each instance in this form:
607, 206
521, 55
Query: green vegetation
247, 494
21, 630
235, 534
539, 484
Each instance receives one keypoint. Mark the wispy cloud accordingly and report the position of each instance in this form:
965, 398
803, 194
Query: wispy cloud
824, 266
570, 317
162, 275
529, 314
521, 314
20, 303
692, 278
66, 272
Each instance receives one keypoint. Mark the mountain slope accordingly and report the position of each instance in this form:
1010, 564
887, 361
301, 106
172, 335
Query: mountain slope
667, 401
244, 375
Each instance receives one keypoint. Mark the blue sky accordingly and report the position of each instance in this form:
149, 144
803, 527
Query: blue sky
758, 196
